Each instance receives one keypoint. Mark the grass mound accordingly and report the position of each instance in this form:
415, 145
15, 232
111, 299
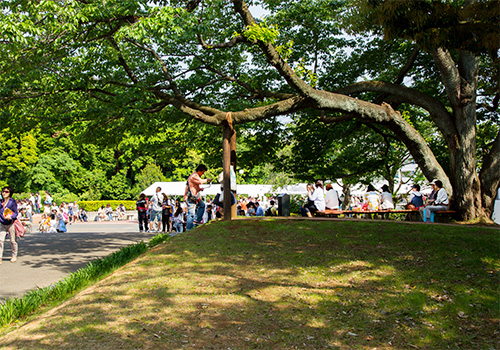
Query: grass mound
264, 284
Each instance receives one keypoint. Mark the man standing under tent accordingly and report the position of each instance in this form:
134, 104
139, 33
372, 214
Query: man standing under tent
192, 197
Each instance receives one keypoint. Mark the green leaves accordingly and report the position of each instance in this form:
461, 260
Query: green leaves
261, 32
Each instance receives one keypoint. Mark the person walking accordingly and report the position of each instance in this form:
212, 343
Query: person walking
8, 215
192, 197
38, 203
142, 212
156, 211
167, 206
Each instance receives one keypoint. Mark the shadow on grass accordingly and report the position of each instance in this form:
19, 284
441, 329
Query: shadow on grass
291, 285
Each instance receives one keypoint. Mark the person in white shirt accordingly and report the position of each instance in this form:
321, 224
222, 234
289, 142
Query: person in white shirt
331, 198
441, 202
386, 201
32, 202
38, 203
316, 199
156, 211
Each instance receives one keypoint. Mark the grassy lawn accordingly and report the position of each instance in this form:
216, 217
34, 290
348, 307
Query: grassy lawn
290, 284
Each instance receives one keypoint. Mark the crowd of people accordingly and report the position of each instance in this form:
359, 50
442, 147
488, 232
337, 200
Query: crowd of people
161, 213
320, 198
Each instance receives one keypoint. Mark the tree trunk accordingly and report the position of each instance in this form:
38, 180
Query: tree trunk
490, 178
346, 188
462, 148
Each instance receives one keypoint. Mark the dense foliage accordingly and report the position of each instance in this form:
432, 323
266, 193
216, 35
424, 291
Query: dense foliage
421, 76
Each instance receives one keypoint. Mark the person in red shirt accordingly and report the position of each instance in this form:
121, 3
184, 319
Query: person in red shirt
192, 197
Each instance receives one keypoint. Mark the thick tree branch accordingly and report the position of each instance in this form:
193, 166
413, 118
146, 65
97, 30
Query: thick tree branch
216, 117
449, 73
192, 5
398, 80
122, 61
409, 64
386, 116
437, 110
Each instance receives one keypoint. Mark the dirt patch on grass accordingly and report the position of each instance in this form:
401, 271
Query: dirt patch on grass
289, 285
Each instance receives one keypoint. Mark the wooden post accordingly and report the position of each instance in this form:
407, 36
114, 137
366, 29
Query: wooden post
227, 134
232, 145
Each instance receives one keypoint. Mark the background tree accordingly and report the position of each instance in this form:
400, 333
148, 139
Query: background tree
116, 64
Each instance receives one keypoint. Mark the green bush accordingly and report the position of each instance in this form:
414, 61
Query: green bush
95, 205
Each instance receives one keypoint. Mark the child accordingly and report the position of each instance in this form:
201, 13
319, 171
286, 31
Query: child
52, 224
43, 227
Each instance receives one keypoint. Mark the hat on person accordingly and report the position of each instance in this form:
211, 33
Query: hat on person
433, 182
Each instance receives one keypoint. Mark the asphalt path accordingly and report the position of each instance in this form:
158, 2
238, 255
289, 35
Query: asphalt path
46, 258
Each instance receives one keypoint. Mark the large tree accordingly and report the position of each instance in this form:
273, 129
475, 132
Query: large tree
129, 61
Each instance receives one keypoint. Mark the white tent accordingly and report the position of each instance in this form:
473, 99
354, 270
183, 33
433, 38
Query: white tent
177, 189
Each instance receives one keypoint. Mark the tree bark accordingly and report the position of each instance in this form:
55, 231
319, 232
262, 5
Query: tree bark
227, 133
460, 81
490, 178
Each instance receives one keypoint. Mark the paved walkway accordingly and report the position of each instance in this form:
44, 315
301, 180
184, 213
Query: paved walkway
45, 258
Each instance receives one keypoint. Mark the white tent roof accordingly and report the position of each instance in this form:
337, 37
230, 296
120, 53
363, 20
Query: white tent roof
177, 188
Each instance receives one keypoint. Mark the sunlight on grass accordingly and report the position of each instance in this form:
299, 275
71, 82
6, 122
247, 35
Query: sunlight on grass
289, 285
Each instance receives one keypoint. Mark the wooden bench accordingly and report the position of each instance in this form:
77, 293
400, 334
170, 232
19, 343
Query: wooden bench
412, 214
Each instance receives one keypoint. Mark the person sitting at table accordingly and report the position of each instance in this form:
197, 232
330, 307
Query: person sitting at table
440, 203
417, 199
372, 199
386, 201
331, 198
250, 209
316, 199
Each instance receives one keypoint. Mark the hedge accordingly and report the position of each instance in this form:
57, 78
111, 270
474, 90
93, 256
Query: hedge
95, 205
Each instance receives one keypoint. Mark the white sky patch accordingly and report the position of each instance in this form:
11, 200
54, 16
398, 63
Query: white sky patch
258, 12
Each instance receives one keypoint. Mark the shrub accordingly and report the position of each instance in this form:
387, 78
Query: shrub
95, 205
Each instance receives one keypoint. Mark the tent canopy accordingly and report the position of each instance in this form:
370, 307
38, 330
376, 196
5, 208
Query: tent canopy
177, 188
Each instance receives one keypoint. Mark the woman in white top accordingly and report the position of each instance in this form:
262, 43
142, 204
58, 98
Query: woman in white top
386, 201
331, 198
316, 199
441, 202
372, 200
